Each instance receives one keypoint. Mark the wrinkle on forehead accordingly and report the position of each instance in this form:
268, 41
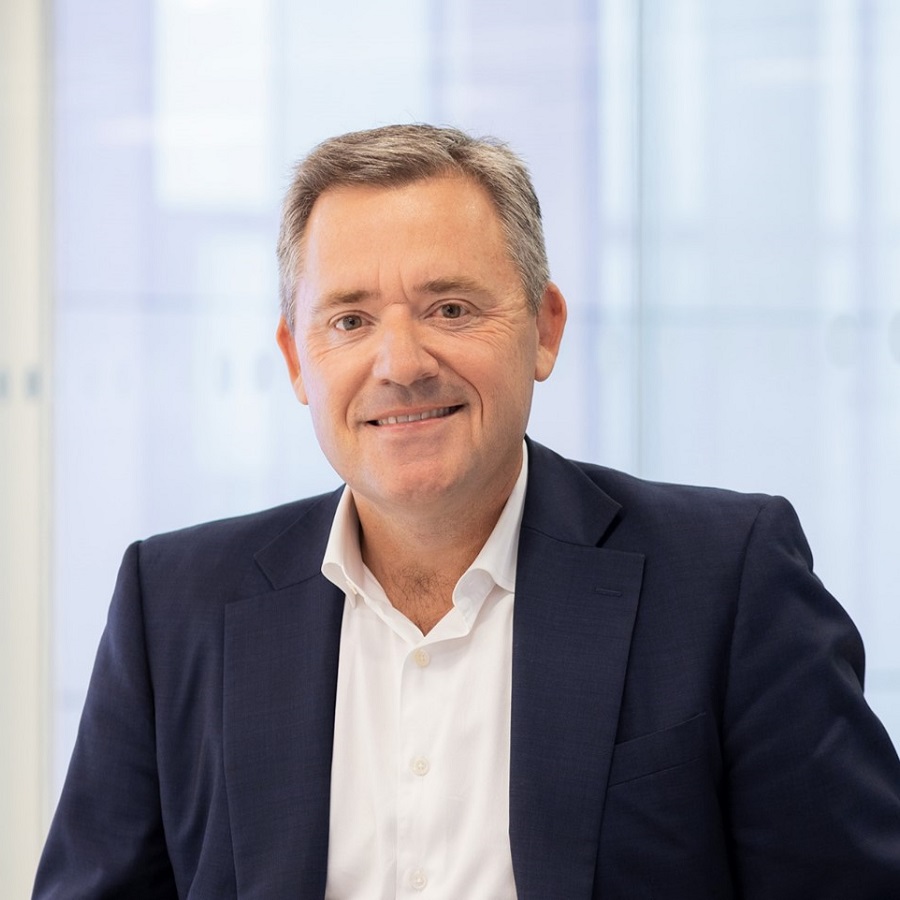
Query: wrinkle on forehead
437, 287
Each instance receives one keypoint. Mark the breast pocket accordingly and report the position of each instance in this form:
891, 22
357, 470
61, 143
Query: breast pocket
660, 750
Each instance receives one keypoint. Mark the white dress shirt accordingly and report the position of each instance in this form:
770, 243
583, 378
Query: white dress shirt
420, 768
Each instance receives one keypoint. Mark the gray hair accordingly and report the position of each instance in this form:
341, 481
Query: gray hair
401, 154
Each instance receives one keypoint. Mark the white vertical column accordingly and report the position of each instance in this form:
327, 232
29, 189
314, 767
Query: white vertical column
24, 440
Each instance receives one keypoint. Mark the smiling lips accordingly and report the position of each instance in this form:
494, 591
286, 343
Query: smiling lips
417, 417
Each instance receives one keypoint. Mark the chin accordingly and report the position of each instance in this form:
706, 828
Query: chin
419, 492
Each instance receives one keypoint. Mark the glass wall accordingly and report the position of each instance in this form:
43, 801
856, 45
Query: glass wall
721, 189
770, 277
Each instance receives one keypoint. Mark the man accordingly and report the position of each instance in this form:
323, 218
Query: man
479, 670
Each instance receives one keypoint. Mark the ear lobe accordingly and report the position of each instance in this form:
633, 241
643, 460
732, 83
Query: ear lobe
288, 347
551, 322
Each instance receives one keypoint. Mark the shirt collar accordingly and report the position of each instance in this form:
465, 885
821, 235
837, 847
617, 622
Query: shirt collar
343, 566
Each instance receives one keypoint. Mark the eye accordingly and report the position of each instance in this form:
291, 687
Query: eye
349, 322
451, 310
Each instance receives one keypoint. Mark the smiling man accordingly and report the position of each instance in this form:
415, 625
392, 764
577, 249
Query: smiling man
416, 348
476, 670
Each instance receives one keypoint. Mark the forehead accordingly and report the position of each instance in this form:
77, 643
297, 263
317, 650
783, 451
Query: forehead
378, 242
449, 209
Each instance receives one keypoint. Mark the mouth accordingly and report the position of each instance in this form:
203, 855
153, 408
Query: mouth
439, 413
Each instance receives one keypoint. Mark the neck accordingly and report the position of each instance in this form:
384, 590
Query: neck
443, 544
419, 555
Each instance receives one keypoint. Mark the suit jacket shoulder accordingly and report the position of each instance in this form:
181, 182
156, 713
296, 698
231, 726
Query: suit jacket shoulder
246, 552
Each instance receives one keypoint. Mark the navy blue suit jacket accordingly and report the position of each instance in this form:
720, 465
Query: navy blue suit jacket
687, 709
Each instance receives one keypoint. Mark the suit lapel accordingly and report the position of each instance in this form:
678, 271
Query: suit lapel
281, 658
574, 613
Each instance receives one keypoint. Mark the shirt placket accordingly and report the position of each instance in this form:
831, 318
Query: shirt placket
420, 847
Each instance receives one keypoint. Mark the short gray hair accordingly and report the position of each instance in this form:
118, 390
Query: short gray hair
401, 154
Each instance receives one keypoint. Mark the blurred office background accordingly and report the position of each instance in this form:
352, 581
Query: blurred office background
721, 187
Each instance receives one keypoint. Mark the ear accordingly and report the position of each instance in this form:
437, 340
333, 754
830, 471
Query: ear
551, 321
288, 347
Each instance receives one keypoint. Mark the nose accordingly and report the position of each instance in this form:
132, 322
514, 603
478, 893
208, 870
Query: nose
401, 356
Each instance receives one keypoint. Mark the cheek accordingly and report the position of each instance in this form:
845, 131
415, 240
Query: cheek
508, 391
327, 426
322, 408
328, 396
315, 375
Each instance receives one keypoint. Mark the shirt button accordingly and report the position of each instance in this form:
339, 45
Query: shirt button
418, 879
422, 658
420, 766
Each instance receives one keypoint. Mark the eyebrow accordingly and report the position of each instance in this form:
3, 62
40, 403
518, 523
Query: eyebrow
343, 298
450, 286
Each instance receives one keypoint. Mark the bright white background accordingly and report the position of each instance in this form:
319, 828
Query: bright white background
721, 187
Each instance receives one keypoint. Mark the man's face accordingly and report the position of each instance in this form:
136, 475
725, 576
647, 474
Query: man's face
414, 346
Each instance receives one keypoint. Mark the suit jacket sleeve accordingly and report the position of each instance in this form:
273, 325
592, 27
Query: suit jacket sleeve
813, 780
107, 836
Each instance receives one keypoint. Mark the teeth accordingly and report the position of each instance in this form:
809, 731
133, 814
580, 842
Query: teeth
415, 417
